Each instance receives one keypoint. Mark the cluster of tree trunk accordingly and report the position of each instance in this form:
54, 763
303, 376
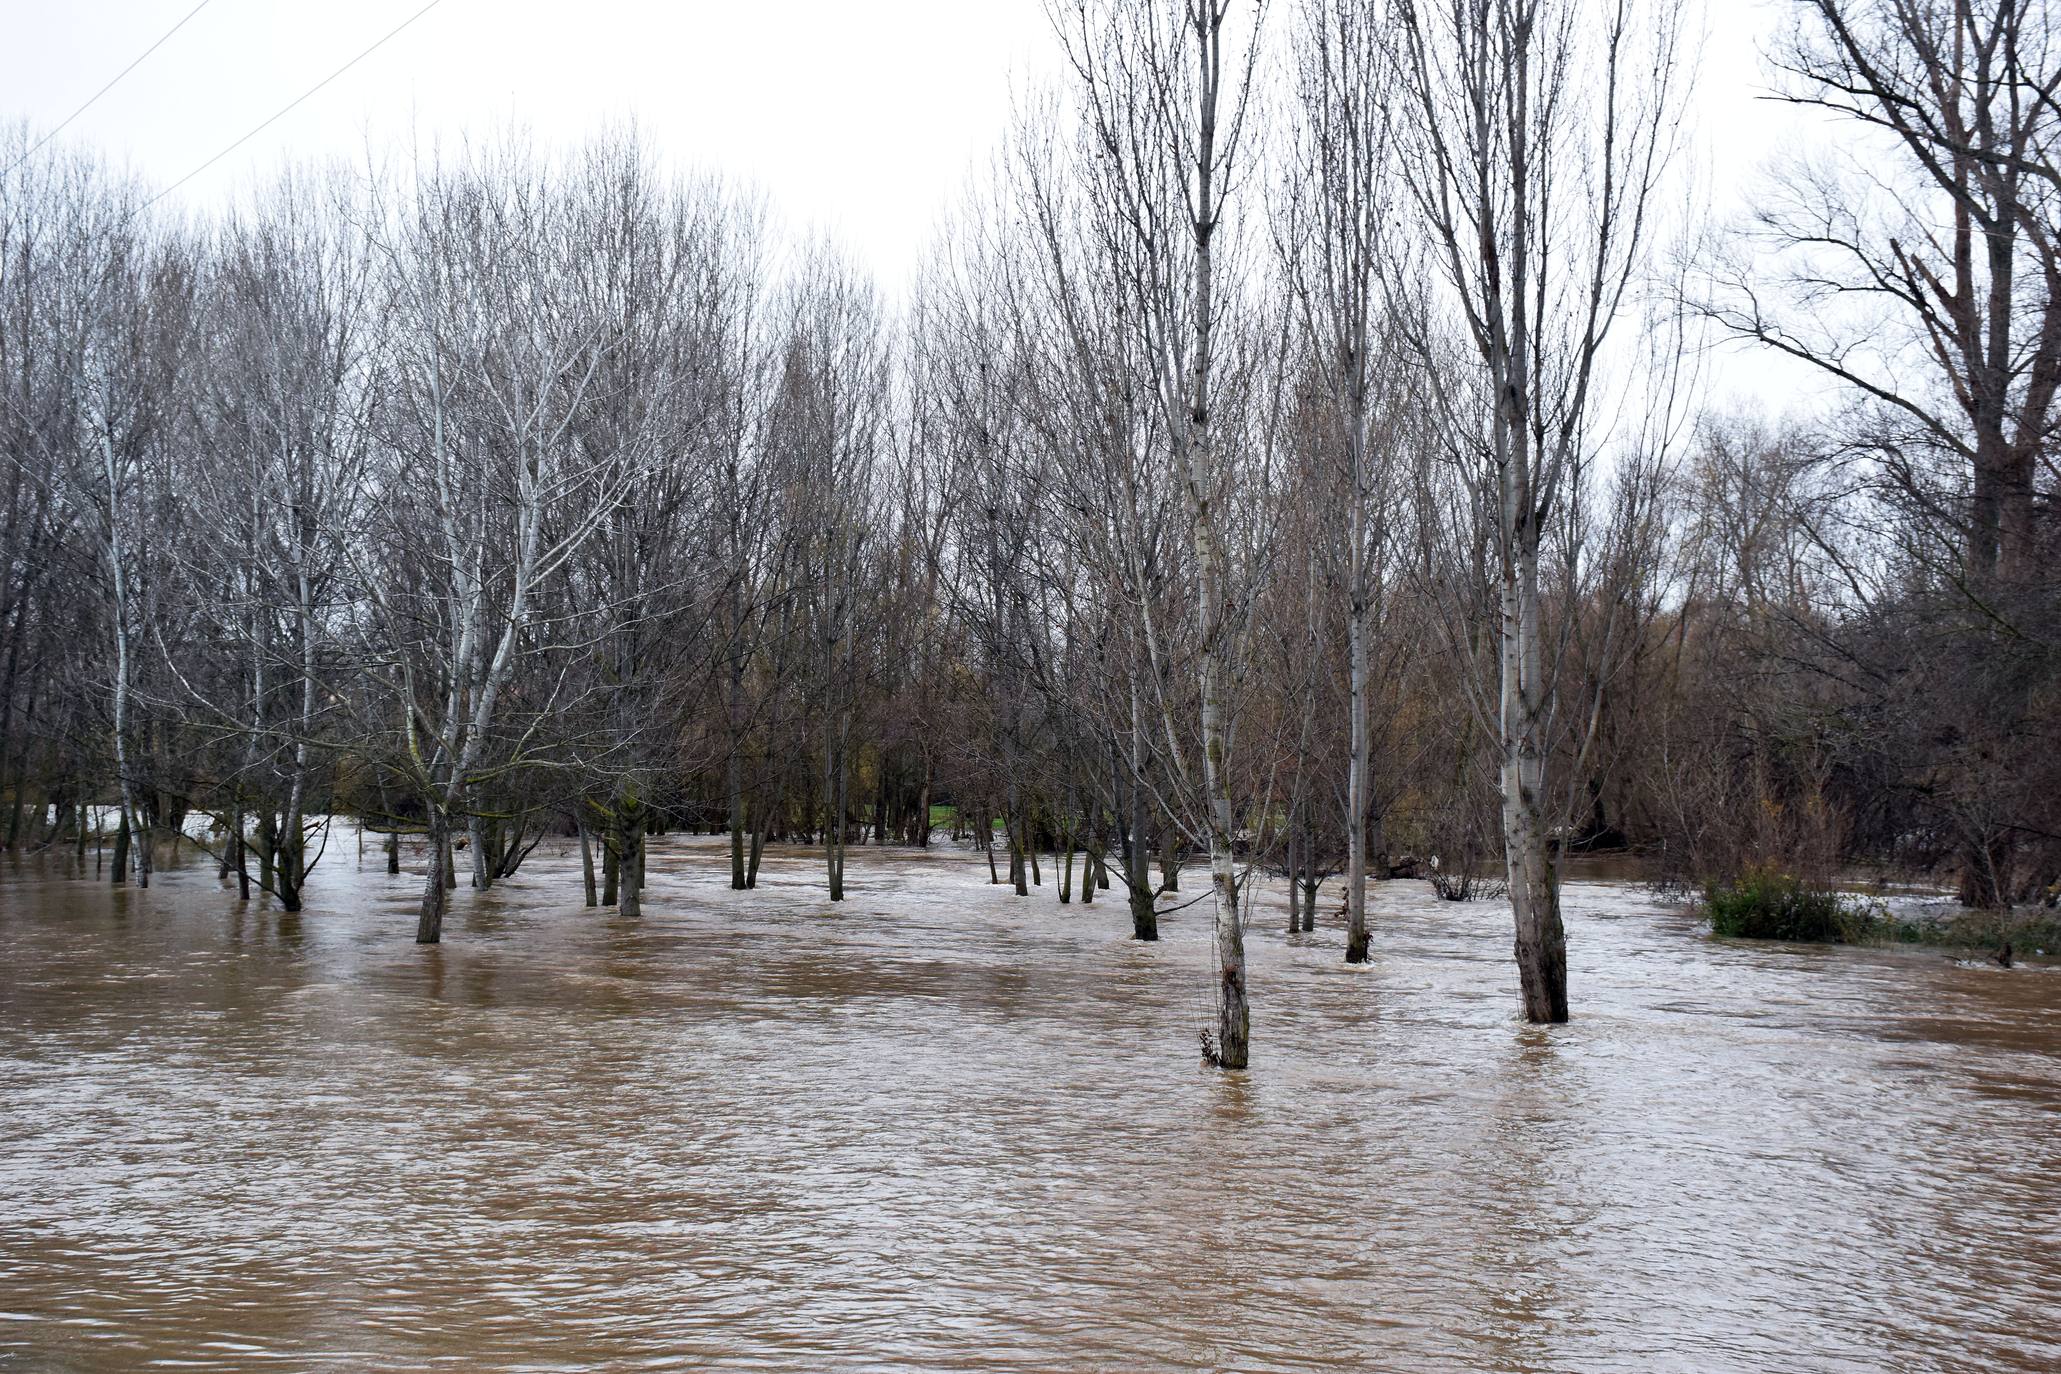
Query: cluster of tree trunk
1321, 499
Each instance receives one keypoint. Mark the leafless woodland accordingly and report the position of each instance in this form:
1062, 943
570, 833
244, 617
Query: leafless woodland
1292, 457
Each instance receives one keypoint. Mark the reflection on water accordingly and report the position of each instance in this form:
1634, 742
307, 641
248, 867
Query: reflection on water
942, 1128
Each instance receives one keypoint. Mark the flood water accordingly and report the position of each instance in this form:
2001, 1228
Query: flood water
939, 1127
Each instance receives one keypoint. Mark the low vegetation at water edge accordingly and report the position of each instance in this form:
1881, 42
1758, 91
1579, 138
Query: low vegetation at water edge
1766, 904
1769, 904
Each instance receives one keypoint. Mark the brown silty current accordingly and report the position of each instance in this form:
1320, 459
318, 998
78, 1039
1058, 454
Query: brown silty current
941, 1127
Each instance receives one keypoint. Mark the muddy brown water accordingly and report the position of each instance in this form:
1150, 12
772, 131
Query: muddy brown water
939, 1127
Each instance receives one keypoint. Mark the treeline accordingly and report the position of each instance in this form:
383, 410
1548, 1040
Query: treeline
1328, 502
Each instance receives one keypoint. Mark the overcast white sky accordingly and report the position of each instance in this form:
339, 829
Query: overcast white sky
863, 119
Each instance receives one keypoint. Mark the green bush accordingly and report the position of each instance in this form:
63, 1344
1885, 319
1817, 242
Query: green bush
1765, 904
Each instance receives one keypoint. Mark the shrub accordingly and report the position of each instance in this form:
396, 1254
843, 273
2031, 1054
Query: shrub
1464, 885
1766, 904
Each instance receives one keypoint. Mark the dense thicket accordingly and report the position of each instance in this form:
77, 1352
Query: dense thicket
1285, 457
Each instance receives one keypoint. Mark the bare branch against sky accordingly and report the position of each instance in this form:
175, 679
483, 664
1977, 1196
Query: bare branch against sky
863, 121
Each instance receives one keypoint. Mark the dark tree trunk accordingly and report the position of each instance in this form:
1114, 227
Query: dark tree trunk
267, 848
1143, 900
292, 865
923, 807
429, 927
630, 864
735, 788
239, 857
1065, 865
1294, 867
1144, 913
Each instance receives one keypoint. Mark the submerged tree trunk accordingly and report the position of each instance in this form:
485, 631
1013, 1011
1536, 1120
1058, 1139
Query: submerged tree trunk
429, 926
1012, 827
587, 866
1294, 867
1205, 487
1144, 911
630, 861
1144, 901
268, 847
1231, 1047
834, 820
1356, 801
235, 858
1529, 866
290, 868
117, 563
475, 835
734, 785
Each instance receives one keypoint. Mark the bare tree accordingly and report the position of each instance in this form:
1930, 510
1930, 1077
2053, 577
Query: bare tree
830, 416
1538, 135
1335, 242
491, 362
1164, 94
1915, 263
1920, 261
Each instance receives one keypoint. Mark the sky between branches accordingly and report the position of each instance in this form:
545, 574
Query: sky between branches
863, 120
